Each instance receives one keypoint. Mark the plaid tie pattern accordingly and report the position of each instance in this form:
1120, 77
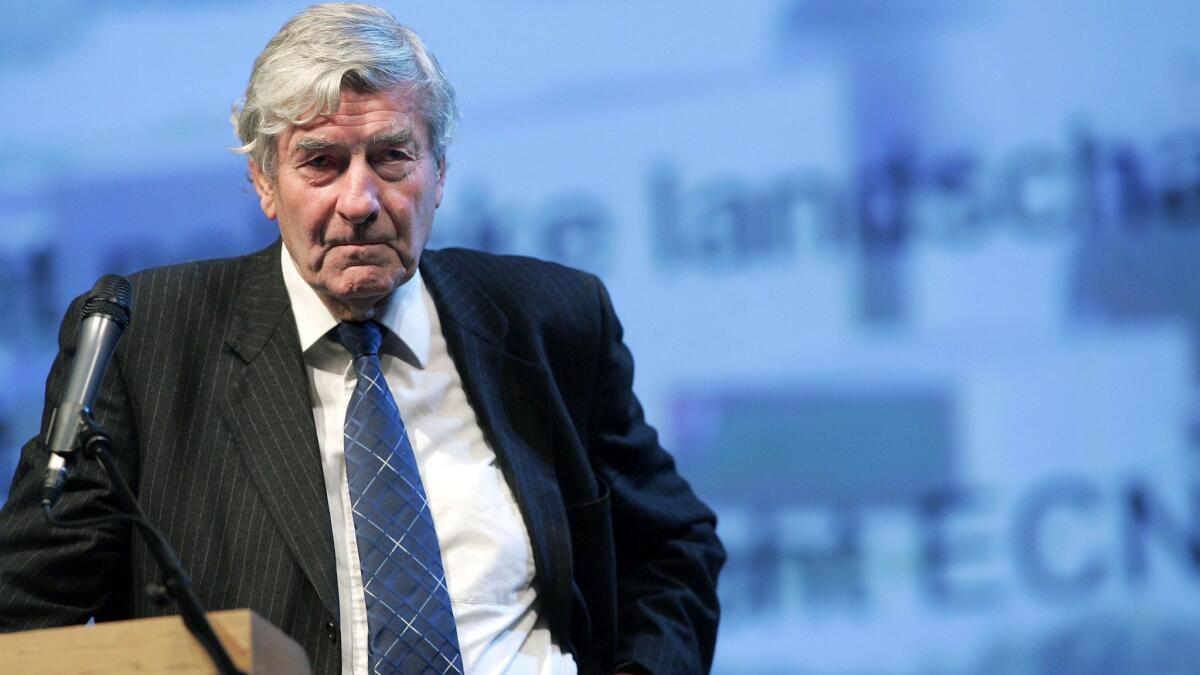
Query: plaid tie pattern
409, 617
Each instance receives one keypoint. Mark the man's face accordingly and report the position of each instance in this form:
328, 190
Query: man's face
354, 195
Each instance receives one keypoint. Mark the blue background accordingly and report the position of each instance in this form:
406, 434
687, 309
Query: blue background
912, 285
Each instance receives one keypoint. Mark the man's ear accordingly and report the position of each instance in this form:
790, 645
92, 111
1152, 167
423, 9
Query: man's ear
441, 180
265, 187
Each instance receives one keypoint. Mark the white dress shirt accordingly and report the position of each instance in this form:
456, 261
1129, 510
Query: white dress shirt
486, 550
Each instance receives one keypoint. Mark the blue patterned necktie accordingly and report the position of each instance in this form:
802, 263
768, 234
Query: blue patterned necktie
409, 617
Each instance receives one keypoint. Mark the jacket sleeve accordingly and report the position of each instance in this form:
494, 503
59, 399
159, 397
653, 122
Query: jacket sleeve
53, 576
668, 554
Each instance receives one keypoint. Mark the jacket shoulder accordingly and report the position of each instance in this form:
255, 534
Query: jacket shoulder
185, 284
519, 284
187, 307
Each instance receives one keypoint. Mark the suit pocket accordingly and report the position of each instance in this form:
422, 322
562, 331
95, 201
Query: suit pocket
592, 516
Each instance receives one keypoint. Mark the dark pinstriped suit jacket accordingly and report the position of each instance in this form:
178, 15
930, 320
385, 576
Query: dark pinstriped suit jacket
207, 403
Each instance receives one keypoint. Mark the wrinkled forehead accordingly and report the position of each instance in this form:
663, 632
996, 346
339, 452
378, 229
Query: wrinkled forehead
315, 141
364, 118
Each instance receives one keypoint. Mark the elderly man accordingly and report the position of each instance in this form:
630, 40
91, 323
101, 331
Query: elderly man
410, 460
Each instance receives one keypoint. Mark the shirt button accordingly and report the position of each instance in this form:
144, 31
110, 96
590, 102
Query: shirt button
332, 631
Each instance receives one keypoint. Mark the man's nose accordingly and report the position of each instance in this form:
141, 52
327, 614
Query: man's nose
358, 203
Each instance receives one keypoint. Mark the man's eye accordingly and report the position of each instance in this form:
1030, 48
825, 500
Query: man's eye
395, 155
319, 162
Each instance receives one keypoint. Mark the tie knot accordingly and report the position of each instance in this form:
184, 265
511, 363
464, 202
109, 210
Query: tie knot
360, 338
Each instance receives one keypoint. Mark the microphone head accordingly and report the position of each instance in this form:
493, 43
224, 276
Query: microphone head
112, 296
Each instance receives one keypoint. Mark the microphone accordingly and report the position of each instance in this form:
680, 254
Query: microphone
104, 316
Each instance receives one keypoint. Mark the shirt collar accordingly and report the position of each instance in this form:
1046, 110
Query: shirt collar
404, 314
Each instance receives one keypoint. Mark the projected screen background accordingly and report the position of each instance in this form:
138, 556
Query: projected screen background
912, 285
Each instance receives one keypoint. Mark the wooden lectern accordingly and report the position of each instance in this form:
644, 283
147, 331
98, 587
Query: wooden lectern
158, 645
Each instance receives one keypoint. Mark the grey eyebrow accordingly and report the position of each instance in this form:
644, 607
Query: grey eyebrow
315, 145
392, 137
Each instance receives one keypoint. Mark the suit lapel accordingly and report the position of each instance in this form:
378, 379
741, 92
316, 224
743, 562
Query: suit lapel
510, 397
270, 415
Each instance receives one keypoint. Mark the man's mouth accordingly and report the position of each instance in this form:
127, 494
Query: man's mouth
336, 244
361, 253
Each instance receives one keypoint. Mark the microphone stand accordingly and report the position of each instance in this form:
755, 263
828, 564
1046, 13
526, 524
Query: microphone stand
175, 582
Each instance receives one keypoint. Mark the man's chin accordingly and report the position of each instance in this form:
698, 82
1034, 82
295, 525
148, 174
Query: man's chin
364, 284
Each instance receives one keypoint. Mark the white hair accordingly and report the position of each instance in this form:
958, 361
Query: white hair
301, 73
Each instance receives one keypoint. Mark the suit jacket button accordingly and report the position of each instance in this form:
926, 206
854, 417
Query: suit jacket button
332, 631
